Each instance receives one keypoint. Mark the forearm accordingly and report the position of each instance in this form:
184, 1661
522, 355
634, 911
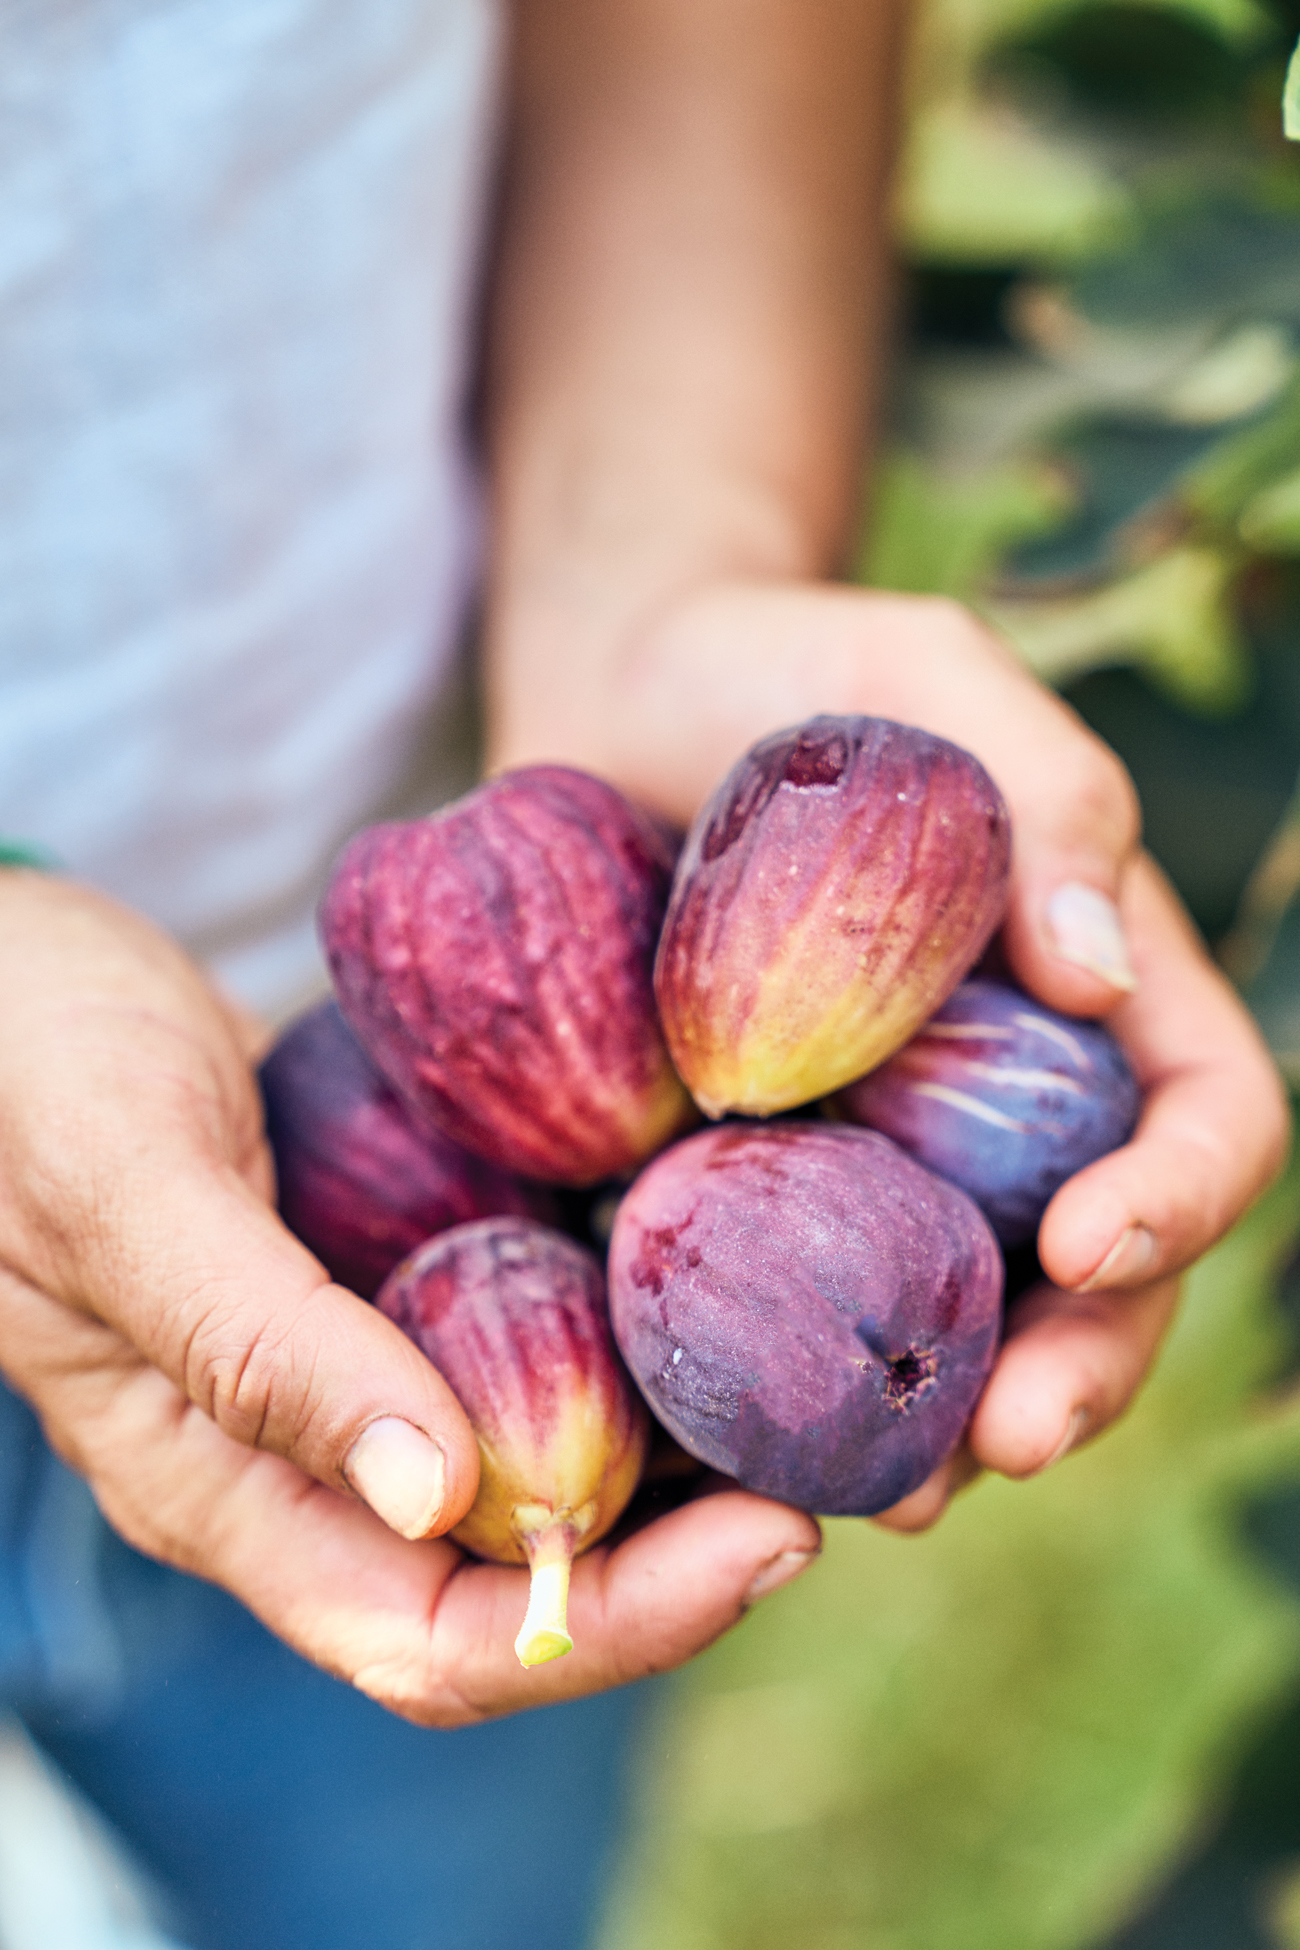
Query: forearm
690, 290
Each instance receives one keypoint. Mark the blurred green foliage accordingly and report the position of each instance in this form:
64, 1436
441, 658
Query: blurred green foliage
1010, 1732
1096, 428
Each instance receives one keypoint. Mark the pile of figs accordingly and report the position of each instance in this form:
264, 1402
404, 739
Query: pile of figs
539, 1000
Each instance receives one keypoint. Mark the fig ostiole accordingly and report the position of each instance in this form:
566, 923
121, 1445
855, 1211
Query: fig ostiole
842, 879
807, 1309
361, 1179
496, 961
514, 1317
1003, 1097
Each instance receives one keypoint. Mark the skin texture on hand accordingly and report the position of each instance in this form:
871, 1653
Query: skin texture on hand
690, 276
752, 656
194, 1362
686, 339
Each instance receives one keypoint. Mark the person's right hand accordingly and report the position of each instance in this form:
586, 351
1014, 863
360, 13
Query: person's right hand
233, 1411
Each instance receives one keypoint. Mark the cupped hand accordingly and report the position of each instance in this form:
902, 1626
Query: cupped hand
237, 1415
1092, 928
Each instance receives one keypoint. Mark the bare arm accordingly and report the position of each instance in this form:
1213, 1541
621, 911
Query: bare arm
691, 291
688, 318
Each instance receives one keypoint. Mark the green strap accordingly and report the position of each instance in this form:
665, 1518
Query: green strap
21, 853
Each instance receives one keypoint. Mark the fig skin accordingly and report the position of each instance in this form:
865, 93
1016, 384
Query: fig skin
838, 885
1005, 1098
361, 1180
514, 1317
496, 962
807, 1309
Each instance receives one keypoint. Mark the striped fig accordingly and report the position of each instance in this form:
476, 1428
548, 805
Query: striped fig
514, 1317
832, 893
362, 1181
1005, 1098
496, 963
806, 1308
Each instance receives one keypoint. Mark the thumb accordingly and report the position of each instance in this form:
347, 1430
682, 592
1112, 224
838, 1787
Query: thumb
1076, 823
204, 1280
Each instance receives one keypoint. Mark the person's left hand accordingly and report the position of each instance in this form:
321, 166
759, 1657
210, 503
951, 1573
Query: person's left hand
1092, 928
236, 1414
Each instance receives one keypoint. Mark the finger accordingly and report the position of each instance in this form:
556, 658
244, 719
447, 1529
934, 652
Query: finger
924, 1507
646, 1606
415, 1625
1214, 1126
198, 1275
1070, 1364
317, 1567
1074, 813
1074, 830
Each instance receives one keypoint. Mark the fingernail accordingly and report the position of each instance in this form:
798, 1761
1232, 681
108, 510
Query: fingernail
1085, 928
1130, 1259
1074, 1428
400, 1472
777, 1571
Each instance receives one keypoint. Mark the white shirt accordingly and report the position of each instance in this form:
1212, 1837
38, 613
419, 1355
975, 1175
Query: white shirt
238, 246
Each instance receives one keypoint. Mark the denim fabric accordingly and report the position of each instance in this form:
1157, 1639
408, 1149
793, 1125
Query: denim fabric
277, 1808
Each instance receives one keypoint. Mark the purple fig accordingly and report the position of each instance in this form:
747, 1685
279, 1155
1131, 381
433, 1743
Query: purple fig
514, 1317
807, 1309
361, 1180
1003, 1097
496, 962
835, 889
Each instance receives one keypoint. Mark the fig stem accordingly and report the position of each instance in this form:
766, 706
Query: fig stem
544, 1633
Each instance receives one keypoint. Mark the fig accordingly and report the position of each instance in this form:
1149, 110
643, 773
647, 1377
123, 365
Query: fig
1005, 1098
496, 962
361, 1180
835, 889
514, 1317
806, 1308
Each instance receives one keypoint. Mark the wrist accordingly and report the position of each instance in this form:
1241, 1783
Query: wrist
732, 658
658, 695
575, 620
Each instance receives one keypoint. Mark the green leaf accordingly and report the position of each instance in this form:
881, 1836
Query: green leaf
1211, 249
1237, 376
933, 534
1128, 469
1219, 487
1173, 620
1270, 520
1274, 995
978, 183
1291, 98
1270, 893
976, 25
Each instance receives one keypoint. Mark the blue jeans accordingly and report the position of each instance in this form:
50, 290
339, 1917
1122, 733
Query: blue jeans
277, 1808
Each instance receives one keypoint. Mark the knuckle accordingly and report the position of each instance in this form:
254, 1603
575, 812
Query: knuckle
142, 1530
124, 1455
402, 1687
950, 622
253, 1378
1094, 785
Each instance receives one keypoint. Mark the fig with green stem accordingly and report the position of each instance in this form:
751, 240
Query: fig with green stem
514, 1317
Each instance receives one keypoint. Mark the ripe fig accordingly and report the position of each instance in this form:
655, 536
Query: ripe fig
835, 889
514, 1317
1005, 1098
496, 962
361, 1179
807, 1309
